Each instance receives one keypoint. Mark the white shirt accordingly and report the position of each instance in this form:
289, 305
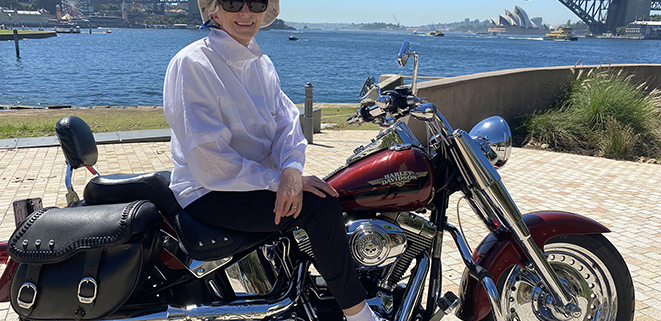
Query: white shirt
233, 129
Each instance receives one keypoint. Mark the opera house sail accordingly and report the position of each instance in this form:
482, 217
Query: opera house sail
517, 22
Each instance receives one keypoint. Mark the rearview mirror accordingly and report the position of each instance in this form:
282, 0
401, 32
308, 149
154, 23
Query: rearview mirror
404, 54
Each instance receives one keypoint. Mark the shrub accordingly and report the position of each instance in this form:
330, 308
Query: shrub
603, 113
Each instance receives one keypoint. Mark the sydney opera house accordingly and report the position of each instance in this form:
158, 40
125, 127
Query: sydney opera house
517, 22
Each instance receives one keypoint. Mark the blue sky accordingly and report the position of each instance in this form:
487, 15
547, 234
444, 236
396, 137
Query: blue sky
418, 12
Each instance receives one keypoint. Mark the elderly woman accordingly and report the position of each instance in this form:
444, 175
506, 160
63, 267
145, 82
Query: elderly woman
238, 149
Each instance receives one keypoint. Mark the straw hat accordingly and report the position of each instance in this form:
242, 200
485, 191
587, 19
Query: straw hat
207, 6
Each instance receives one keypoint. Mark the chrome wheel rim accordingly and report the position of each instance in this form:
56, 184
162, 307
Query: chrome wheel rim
581, 272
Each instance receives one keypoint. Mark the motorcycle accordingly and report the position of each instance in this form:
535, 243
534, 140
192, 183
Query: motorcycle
127, 251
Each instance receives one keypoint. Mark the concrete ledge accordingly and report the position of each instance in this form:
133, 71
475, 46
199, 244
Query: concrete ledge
466, 100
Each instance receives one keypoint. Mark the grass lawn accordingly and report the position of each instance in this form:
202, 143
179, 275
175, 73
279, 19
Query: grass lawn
22, 123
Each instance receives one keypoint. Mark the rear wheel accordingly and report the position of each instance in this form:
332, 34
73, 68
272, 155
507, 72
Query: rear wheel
589, 267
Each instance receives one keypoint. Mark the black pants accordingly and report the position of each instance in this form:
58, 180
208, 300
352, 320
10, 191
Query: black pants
320, 217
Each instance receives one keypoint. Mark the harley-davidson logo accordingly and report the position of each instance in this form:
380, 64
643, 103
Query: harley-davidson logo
398, 179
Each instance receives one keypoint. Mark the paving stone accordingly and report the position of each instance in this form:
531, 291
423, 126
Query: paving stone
622, 195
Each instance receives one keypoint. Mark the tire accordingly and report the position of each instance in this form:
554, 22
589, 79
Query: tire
588, 266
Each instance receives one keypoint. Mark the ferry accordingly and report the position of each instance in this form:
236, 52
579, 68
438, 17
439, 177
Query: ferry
436, 33
561, 34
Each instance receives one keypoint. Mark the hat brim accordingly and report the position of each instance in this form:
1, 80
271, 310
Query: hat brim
271, 13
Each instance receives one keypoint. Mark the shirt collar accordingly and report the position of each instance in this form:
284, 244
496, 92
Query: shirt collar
230, 49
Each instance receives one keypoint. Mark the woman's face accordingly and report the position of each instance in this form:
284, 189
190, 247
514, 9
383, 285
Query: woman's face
242, 25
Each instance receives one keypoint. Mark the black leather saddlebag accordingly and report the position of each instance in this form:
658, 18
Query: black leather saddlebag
82, 263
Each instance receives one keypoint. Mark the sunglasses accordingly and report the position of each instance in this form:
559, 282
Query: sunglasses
256, 6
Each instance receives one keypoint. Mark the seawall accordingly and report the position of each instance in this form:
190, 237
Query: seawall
466, 100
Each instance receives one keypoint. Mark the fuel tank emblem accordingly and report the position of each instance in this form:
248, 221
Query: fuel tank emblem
398, 179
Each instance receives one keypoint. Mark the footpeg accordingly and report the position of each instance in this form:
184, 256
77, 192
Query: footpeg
448, 302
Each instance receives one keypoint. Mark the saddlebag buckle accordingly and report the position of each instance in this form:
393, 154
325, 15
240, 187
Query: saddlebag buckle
29, 286
87, 285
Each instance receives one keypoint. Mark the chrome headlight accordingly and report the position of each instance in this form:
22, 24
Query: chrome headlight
494, 137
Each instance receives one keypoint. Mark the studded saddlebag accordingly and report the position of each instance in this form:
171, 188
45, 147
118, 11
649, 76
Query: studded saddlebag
82, 263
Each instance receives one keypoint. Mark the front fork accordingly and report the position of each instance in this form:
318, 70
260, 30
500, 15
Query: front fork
489, 198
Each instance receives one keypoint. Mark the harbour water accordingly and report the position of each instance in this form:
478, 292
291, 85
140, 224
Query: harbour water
126, 67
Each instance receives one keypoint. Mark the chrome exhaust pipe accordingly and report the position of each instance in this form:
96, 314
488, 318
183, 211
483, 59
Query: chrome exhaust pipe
235, 310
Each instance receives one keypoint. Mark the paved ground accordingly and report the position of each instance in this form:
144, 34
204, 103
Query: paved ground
622, 195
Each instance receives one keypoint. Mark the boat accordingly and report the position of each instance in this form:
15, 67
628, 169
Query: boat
65, 29
293, 38
561, 34
436, 33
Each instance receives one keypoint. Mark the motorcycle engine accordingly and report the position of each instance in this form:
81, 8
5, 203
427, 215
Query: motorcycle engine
383, 248
375, 243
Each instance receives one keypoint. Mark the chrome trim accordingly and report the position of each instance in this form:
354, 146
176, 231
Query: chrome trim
85, 299
375, 243
249, 277
412, 223
487, 282
214, 288
384, 303
472, 163
414, 290
23, 304
71, 195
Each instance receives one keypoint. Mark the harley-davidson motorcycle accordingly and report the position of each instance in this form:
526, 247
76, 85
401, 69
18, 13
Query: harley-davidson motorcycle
127, 251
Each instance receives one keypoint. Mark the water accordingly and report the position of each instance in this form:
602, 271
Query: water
127, 67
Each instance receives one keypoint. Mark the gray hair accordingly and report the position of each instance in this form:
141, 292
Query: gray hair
209, 7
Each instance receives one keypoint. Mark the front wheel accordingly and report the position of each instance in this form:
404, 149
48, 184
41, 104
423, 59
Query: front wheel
589, 267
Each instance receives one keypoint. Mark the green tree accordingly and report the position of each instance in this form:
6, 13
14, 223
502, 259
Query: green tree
621, 30
655, 17
279, 24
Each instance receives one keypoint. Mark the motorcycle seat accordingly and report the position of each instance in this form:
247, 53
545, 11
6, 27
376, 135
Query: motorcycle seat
198, 240
123, 188
203, 242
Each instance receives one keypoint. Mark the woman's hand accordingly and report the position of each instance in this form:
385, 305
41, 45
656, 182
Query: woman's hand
289, 198
317, 187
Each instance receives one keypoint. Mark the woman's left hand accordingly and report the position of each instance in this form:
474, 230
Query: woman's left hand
289, 198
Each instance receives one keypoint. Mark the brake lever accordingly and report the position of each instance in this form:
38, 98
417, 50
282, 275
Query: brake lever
355, 119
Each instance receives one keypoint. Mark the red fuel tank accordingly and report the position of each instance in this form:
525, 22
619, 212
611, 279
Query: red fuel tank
386, 181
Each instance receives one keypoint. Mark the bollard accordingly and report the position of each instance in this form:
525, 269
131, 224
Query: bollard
18, 52
308, 118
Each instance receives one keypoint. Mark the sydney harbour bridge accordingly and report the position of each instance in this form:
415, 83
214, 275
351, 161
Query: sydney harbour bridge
600, 15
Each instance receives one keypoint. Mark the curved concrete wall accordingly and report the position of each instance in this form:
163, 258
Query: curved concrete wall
466, 100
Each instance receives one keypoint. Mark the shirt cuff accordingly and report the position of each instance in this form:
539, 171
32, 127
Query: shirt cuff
295, 165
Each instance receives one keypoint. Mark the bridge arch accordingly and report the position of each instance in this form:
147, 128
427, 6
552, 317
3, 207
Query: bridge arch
606, 15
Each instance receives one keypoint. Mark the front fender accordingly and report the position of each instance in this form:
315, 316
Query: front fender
498, 253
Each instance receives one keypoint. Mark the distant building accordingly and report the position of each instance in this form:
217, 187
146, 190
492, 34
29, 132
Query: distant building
23, 18
644, 30
517, 22
108, 22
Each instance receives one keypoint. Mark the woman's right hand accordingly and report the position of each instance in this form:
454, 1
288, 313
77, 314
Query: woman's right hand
289, 198
316, 186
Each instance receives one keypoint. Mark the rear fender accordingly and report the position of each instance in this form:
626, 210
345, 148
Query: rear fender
498, 253
5, 280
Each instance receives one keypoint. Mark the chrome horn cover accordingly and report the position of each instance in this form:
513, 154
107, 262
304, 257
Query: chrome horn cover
494, 137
